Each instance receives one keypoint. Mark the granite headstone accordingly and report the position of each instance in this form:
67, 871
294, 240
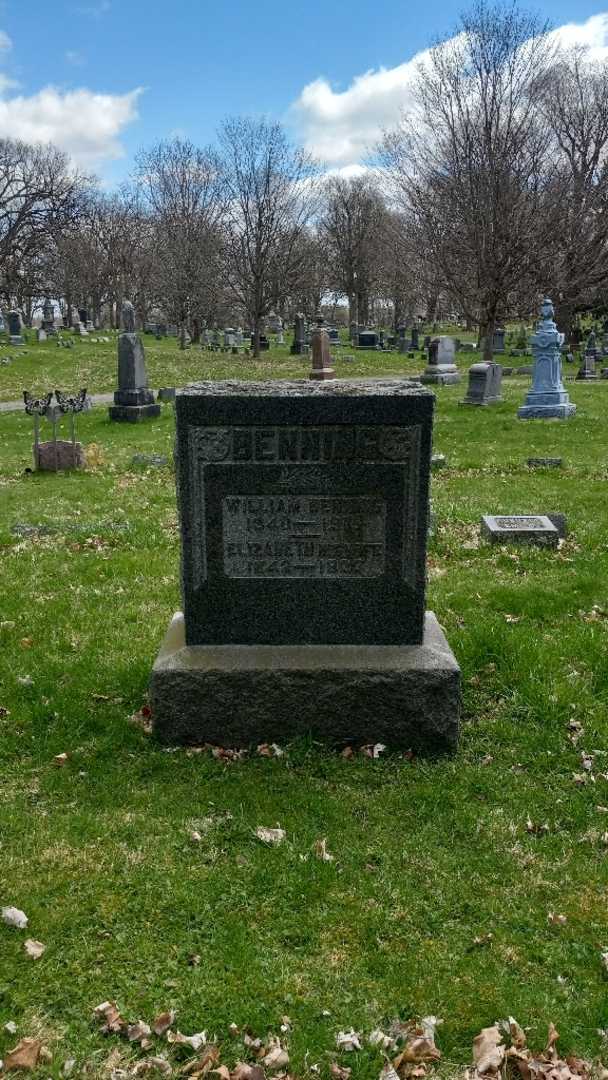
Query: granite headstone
303, 510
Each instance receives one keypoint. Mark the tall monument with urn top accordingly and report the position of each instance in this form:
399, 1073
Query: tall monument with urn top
547, 397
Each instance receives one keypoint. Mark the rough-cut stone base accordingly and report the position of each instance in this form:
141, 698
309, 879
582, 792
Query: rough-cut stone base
440, 378
322, 374
478, 401
240, 695
55, 457
546, 412
133, 413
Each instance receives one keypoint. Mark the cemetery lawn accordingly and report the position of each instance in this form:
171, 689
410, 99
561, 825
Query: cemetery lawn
448, 875
43, 367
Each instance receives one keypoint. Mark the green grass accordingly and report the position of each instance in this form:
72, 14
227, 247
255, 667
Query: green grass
42, 367
429, 854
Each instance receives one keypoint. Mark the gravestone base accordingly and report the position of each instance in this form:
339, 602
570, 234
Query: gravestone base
434, 375
241, 695
133, 413
546, 406
322, 374
16, 339
134, 405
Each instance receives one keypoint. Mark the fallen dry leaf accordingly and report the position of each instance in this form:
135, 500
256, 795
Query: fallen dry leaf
373, 751
10, 1027
25, 1055
204, 1064
61, 759
321, 851
152, 1064
195, 1041
418, 1050
388, 1072
378, 1038
12, 916
270, 836
138, 1032
488, 1051
557, 920
34, 948
276, 1056
244, 1071
108, 1012
536, 829
340, 1072
270, 750
163, 1022
348, 1040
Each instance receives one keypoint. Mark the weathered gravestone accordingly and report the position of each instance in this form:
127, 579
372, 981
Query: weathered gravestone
14, 328
368, 339
304, 510
484, 385
48, 318
40, 335
415, 338
520, 529
498, 341
547, 397
299, 337
441, 368
587, 372
321, 358
133, 401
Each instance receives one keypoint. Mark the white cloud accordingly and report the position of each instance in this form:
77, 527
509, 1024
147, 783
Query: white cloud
592, 34
341, 127
5, 41
85, 124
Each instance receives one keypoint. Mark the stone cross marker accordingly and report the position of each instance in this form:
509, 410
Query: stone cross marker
303, 511
133, 401
547, 397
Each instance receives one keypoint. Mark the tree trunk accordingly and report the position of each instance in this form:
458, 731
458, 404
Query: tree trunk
256, 338
196, 330
564, 317
486, 329
182, 334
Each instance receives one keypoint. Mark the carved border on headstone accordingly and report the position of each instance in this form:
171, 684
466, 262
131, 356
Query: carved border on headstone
212, 446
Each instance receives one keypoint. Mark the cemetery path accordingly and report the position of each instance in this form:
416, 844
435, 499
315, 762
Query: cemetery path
16, 406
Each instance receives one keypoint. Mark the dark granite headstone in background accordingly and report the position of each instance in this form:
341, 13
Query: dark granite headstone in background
133, 401
304, 510
484, 385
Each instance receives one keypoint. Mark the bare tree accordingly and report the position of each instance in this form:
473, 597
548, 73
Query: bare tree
574, 105
39, 197
271, 194
183, 188
352, 224
470, 163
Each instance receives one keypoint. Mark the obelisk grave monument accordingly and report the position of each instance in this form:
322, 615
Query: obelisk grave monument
133, 401
303, 514
547, 398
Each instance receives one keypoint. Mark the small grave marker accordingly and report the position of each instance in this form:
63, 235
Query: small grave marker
520, 529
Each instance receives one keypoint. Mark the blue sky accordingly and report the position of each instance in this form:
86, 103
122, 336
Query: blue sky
103, 77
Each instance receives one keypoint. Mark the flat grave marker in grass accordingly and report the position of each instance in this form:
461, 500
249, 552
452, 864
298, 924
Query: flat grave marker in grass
304, 512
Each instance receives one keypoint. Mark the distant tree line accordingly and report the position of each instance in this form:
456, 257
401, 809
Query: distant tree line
492, 189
